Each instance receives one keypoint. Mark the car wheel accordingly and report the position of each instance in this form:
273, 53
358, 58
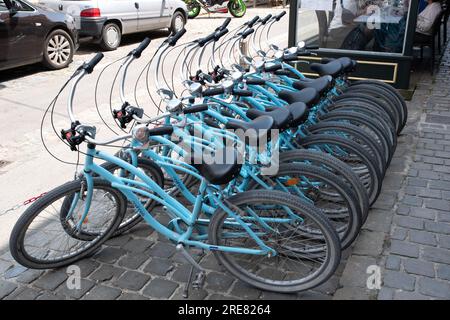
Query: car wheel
178, 22
111, 36
58, 50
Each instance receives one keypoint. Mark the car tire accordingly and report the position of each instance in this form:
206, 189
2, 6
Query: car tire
58, 50
111, 36
178, 22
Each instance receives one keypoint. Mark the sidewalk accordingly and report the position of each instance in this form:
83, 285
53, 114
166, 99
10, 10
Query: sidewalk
407, 235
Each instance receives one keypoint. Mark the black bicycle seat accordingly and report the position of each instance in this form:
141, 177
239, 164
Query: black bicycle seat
222, 170
299, 113
321, 84
308, 96
255, 130
280, 116
333, 68
347, 64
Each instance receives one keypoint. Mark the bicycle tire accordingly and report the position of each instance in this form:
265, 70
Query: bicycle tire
370, 125
400, 100
335, 166
332, 249
367, 159
353, 226
354, 133
17, 238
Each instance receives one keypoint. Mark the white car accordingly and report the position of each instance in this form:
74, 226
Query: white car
108, 20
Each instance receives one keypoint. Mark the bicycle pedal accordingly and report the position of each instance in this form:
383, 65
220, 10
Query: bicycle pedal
199, 281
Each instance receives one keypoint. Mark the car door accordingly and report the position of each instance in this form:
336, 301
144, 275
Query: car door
4, 34
124, 10
151, 14
22, 34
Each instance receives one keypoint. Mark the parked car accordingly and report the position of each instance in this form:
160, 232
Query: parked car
107, 20
30, 34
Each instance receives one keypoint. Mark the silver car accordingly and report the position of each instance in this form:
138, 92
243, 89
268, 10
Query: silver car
108, 20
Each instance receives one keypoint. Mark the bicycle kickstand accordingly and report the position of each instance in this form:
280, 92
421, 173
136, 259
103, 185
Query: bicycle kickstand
199, 277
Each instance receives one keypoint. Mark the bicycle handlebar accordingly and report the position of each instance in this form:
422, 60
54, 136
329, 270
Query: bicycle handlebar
89, 66
195, 108
252, 22
220, 34
213, 91
246, 33
255, 81
172, 41
202, 41
224, 24
242, 93
138, 51
281, 15
266, 18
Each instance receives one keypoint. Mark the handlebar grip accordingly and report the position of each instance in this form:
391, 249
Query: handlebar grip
252, 22
290, 57
173, 40
195, 108
304, 53
242, 93
160, 131
266, 18
201, 42
312, 47
246, 33
224, 24
138, 51
273, 67
213, 91
281, 15
255, 81
219, 34
89, 66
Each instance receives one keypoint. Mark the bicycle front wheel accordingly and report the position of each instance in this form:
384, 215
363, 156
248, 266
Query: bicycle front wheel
42, 239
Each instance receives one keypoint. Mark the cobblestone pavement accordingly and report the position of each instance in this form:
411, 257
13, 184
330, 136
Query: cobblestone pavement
407, 235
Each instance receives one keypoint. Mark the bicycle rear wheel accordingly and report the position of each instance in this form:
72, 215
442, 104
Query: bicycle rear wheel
41, 239
400, 101
362, 163
324, 191
307, 247
333, 165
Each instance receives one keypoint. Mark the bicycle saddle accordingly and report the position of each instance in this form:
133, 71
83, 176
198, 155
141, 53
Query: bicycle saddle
254, 130
299, 113
321, 84
223, 169
308, 96
280, 116
333, 68
347, 64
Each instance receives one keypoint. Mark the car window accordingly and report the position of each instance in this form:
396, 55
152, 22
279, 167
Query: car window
3, 6
25, 7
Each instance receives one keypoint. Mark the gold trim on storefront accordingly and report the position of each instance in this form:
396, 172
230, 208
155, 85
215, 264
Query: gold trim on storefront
394, 64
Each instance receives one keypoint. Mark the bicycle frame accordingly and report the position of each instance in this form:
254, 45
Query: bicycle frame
130, 187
